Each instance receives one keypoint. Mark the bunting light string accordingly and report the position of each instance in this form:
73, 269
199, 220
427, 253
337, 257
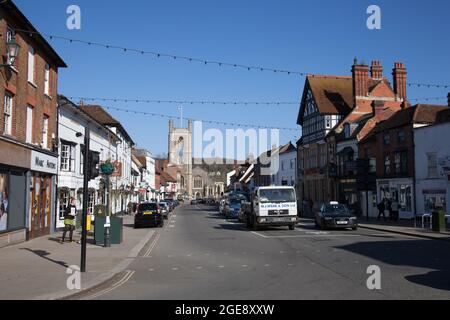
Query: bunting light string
429, 99
164, 116
185, 102
202, 60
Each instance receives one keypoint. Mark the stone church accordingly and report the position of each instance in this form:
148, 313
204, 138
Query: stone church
195, 180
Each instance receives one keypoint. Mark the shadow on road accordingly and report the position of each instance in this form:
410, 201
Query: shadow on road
427, 254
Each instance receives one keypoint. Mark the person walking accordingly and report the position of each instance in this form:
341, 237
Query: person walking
381, 209
69, 220
389, 209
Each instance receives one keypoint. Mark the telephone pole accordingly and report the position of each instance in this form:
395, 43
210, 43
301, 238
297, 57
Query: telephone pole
86, 153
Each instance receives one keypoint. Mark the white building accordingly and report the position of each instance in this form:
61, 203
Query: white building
432, 165
287, 173
72, 122
122, 180
148, 180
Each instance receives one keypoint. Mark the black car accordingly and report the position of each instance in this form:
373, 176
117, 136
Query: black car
149, 215
335, 216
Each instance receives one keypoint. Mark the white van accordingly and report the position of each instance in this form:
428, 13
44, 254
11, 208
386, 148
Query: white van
271, 206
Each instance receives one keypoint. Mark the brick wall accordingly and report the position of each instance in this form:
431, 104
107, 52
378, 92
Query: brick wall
15, 81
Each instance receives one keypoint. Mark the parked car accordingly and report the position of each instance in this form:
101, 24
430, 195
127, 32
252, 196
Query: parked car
164, 209
194, 202
148, 214
334, 215
170, 203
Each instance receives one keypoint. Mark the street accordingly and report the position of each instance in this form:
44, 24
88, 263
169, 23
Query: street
199, 255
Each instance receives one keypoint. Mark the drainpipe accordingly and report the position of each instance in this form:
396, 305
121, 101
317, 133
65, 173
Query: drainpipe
414, 176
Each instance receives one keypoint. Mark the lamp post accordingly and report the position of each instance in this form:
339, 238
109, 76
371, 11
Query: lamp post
107, 169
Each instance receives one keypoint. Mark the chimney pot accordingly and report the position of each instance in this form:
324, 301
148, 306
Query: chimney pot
360, 80
399, 74
376, 70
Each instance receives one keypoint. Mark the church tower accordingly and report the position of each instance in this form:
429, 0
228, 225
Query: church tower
180, 155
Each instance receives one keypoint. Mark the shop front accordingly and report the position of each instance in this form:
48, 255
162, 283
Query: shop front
400, 192
42, 193
14, 163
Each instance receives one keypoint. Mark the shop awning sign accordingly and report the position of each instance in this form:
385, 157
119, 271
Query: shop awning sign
42, 162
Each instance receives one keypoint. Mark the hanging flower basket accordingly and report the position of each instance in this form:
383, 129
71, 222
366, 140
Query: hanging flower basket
107, 168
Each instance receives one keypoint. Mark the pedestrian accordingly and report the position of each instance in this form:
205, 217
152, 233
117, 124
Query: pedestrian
389, 209
69, 220
381, 208
395, 211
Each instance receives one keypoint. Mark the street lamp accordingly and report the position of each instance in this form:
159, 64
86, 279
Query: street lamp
12, 50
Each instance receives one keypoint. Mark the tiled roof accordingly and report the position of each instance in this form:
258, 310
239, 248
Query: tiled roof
333, 95
102, 116
418, 114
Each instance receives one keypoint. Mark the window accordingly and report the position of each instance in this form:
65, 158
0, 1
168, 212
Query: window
401, 136
31, 62
7, 114
198, 183
432, 165
47, 80
29, 133
64, 197
435, 200
82, 159
91, 202
292, 164
67, 157
45, 133
387, 139
387, 166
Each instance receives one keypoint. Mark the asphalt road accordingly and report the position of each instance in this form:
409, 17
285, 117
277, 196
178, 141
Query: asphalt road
199, 255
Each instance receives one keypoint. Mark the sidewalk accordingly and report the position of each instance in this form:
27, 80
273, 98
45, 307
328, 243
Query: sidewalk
37, 269
404, 227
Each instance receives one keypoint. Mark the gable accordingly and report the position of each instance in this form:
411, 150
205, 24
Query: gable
382, 90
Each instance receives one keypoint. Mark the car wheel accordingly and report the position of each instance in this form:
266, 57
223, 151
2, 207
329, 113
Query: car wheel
254, 225
292, 228
322, 226
355, 228
247, 223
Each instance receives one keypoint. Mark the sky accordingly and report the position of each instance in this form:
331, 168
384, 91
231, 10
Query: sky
321, 37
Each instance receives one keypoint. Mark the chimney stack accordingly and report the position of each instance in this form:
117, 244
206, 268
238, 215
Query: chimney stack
376, 70
360, 73
378, 107
399, 73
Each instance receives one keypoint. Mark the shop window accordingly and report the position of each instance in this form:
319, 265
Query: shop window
435, 202
4, 201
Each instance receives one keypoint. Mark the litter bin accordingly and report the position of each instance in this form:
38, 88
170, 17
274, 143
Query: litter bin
439, 224
115, 231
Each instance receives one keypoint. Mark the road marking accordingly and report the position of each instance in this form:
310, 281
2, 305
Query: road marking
127, 276
175, 269
267, 265
151, 270
221, 267
152, 246
199, 268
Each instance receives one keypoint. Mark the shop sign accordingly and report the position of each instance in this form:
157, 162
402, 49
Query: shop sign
42, 162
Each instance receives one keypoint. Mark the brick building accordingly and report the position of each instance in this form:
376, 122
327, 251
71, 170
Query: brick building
391, 148
28, 129
335, 113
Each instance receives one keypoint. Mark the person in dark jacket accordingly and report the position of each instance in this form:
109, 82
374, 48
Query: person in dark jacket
69, 220
381, 209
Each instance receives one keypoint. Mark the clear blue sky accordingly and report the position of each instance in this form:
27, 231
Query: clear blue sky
312, 36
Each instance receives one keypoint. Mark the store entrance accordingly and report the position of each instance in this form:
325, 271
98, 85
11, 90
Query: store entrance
41, 199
